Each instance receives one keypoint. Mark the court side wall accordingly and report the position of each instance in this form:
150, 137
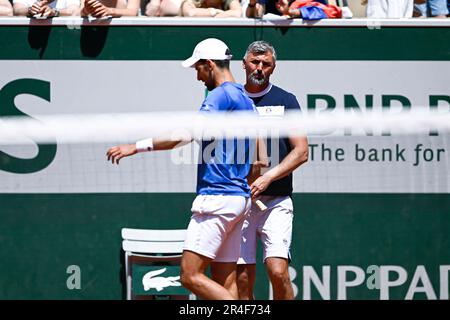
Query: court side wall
370, 207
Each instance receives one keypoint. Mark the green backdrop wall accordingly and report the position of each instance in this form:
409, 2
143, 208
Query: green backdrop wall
43, 233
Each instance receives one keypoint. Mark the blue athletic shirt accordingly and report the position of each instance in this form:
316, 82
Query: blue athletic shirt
275, 96
224, 164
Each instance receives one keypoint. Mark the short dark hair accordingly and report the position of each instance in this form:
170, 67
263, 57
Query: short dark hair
222, 64
261, 47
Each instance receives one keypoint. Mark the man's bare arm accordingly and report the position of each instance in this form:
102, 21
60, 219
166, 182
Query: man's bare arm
261, 161
166, 144
5, 8
235, 11
131, 10
99, 10
189, 9
125, 150
20, 9
296, 157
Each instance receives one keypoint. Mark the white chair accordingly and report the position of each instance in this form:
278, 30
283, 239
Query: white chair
147, 250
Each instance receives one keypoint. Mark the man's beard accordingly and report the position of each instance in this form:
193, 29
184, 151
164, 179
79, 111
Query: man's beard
252, 78
210, 87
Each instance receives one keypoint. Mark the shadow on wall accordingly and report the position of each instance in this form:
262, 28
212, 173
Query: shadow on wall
38, 35
93, 39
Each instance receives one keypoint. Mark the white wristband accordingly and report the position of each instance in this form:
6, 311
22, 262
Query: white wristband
144, 145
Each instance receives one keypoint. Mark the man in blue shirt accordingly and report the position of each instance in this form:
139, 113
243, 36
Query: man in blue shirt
223, 195
272, 226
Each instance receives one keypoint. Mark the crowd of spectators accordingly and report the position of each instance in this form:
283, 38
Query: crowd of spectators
305, 9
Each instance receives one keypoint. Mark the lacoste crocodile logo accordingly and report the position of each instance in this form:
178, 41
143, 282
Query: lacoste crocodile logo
159, 283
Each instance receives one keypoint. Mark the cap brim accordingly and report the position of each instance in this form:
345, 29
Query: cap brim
189, 62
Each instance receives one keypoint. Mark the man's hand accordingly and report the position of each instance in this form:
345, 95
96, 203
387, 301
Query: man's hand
34, 9
259, 186
97, 9
118, 152
41, 8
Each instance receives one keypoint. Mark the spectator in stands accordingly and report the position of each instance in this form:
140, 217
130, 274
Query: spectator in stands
163, 8
308, 9
257, 8
433, 8
110, 8
5, 8
46, 8
211, 8
380, 9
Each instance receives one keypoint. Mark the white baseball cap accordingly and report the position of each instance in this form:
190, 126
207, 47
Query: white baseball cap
211, 48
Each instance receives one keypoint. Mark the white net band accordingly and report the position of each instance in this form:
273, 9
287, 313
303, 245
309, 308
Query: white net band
98, 128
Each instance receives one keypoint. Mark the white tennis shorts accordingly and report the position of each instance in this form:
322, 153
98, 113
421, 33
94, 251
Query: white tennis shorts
215, 229
273, 226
